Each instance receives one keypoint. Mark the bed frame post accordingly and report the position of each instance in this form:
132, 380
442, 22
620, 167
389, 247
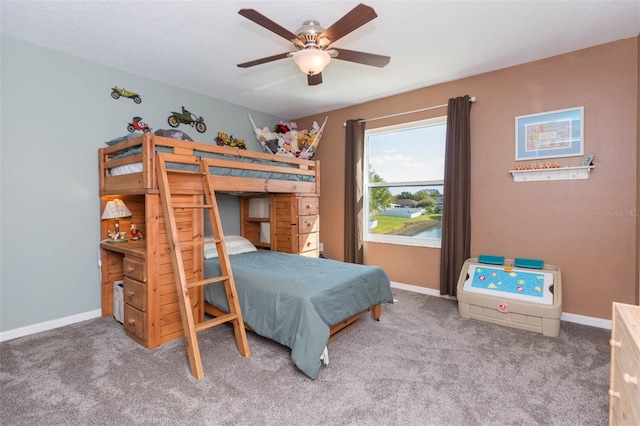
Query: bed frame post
376, 311
318, 177
101, 161
148, 168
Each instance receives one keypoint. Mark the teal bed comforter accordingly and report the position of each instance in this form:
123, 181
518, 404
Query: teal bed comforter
294, 300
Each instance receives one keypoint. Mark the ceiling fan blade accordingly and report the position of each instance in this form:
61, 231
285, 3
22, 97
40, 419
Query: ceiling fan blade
314, 79
357, 17
267, 23
362, 57
264, 60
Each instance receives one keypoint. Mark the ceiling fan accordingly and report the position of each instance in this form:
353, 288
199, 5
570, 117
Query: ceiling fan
312, 42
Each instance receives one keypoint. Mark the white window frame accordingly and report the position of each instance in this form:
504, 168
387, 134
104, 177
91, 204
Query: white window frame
396, 239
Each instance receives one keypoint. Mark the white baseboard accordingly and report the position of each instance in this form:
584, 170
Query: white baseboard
61, 322
578, 319
48, 325
582, 319
421, 290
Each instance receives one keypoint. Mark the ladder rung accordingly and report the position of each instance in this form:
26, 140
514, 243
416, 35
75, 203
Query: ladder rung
182, 245
215, 321
193, 206
170, 210
208, 281
190, 243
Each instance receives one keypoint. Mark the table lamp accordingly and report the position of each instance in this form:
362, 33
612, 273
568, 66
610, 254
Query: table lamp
115, 210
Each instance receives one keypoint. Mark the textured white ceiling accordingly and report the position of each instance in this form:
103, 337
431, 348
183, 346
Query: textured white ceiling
197, 44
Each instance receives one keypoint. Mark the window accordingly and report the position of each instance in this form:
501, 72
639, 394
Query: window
405, 183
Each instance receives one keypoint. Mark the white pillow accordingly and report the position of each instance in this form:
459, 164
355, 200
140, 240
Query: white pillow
235, 245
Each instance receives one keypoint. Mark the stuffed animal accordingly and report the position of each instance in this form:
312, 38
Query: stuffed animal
280, 128
286, 139
305, 155
263, 134
268, 139
293, 141
282, 146
303, 140
271, 146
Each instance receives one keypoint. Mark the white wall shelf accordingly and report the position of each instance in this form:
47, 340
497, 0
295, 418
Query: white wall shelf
560, 173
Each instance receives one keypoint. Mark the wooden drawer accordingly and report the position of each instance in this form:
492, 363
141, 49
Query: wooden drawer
309, 224
135, 294
627, 354
135, 322
134, 268
622, 411
628, 349
308, 205
308, 242
624, 392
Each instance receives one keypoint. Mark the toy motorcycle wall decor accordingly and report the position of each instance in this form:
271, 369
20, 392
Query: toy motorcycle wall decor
186, 117
116, 92
138, 124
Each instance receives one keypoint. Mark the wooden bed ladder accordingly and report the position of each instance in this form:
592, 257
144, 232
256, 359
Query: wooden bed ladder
167, 177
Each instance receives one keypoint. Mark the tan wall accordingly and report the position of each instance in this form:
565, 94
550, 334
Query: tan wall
586, 227
637, 301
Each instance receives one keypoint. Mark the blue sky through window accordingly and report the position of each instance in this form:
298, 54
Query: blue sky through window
410, 155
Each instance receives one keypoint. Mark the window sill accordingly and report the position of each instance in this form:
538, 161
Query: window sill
434, 244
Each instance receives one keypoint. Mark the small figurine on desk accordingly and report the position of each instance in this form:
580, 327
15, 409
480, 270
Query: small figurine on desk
135, 233
117, 237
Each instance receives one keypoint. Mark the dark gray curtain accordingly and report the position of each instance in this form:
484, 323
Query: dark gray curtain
353, 196
456, 211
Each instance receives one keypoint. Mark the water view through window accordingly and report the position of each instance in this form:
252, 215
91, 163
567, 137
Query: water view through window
405, 183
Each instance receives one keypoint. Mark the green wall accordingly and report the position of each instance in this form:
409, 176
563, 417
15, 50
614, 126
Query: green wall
56, 111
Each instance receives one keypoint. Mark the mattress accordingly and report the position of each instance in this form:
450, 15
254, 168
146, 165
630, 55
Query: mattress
294, 300
214, 170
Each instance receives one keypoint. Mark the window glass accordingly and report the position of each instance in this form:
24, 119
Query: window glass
404, 183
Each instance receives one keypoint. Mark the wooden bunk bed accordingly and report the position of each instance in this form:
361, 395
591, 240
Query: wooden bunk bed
291, 187
293, 175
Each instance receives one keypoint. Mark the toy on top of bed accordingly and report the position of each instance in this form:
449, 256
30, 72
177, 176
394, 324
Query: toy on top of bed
294, 300
127, 166
286, 139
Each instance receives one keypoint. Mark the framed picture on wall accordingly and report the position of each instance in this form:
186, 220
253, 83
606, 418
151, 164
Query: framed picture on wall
550, 134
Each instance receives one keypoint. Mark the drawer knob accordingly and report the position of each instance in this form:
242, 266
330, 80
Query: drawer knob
132, 322
130, 294
615, 343
131, 269
630, 379
309, 206
614, 394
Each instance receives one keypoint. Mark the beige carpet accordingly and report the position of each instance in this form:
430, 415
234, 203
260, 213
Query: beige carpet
421, 364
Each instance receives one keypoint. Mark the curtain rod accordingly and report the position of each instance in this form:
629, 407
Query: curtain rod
471, 99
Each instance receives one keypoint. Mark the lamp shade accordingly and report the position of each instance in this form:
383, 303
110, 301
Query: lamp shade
311, 61
115, 209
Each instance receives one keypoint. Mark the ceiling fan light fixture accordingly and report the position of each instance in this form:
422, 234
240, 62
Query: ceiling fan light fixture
310, 27
311, 61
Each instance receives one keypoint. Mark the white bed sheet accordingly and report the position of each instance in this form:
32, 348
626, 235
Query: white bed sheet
126, 169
